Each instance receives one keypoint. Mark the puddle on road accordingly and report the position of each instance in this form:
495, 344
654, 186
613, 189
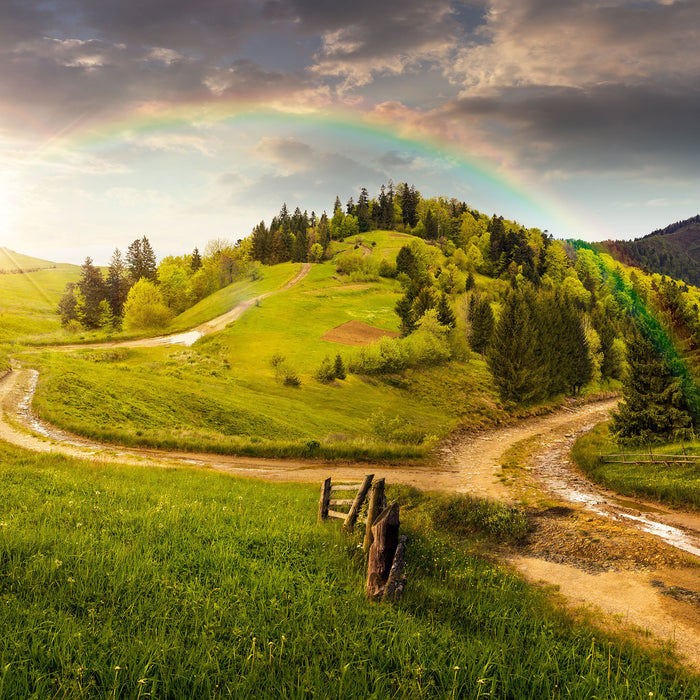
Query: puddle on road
187, 339
572, 487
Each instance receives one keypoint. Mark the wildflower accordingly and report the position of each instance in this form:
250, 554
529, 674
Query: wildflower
456, 668
117, 668
70, 579
78, 524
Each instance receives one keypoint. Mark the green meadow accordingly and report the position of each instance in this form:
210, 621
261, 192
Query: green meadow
28, 302
677, 485
126, 582
223, 395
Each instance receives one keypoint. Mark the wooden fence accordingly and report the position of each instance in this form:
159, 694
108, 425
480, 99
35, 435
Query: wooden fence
386, 550
668, 460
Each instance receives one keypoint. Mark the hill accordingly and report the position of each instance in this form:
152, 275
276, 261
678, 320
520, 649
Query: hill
673, 251
13, 262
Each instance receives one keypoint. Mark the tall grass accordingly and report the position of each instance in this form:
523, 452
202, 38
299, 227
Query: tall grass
130, 583
673, 484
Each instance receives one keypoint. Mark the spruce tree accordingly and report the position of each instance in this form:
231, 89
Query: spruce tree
653, 406
339, 367
92, 289
511, 357
444, 312
117, 284
482, 326
196, 258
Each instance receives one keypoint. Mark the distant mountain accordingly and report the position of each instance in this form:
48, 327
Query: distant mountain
672, 251
10, 261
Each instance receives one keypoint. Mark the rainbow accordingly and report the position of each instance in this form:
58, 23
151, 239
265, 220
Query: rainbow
394, 126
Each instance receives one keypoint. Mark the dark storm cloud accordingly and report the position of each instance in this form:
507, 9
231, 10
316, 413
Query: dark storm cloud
611, 127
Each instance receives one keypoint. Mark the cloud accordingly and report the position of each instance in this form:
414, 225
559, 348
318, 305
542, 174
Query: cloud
547, 42
289, 154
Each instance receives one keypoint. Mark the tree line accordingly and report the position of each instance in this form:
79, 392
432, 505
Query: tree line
138, 293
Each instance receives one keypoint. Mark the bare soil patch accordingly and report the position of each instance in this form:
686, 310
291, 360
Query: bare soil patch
357, 333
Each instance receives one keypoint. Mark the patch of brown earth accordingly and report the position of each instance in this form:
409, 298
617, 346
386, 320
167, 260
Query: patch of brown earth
357, 333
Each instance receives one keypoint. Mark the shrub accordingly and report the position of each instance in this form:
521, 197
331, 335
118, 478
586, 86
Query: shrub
326, 371
463, 514
387, 268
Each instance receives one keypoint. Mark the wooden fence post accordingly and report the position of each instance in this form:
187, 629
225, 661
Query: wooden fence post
396, 581
325, 500
381, 554
373, 510
354, 511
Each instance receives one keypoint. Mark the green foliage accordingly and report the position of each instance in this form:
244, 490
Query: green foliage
482, 326
339, 368
464, 515
144, 309
654, 408
426, 347
325, 372
512, 356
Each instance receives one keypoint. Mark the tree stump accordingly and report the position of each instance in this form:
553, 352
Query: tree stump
381, 554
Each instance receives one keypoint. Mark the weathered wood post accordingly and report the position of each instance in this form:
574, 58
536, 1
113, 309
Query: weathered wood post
396, 581
373, 510
354, 511
381, 554
325, 500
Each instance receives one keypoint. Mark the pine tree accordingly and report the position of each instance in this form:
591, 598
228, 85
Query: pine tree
339, 367
511, 357
66, 305
196, 259
141, 260
117, 284
444, 312
362, 211
92, 289
482, 327
653, 406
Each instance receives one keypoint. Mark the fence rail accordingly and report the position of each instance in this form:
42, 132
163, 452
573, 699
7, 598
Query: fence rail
650, 459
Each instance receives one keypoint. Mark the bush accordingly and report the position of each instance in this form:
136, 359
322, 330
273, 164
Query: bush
464, 515
387, 268
326, 371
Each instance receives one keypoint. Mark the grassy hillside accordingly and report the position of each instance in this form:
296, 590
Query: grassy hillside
13, 262
126, 582
223, 395
28, 301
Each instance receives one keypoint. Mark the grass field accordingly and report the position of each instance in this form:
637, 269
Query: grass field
125, 582
675, 485
222, 394
28, 302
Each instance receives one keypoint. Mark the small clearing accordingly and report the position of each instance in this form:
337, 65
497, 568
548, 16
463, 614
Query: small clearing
357, 333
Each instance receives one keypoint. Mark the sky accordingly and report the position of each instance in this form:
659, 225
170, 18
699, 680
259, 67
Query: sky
191, 120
